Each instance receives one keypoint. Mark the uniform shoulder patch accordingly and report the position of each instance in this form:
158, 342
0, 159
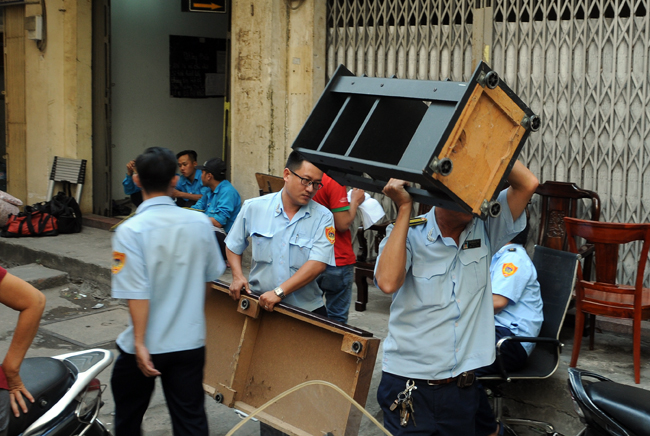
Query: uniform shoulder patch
119, 259
414, 221
417, 221
330, 232
508, 269
512, 250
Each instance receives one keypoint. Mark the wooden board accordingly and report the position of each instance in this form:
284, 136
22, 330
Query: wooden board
253, 355
269, 183
482, 145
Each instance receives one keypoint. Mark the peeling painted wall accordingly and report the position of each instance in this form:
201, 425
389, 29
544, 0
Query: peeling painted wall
278, 73
56, 97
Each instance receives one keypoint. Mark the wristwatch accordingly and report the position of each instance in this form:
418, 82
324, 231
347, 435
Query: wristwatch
279, 292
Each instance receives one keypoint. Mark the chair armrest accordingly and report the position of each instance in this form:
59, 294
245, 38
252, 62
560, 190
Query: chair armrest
363, 243
537, 340
586, 250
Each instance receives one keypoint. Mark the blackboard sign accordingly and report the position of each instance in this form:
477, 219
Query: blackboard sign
197, 67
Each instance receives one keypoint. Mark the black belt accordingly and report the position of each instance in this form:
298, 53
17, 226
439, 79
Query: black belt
463, 380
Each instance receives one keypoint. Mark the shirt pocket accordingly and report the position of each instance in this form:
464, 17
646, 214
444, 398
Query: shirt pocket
475, 269
262, 248
428, 277
299, 250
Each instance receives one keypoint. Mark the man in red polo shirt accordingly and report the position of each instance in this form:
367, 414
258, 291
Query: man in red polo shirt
336, 281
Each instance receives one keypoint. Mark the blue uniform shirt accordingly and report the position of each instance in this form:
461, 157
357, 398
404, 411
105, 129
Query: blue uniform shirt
156, 258
130, 187
223, 204
441, 320
281, 247
514, 277
193, 187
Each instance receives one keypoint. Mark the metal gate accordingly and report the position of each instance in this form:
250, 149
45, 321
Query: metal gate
582, 65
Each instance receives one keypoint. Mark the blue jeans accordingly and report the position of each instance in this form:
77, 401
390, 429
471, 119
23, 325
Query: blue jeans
336, 284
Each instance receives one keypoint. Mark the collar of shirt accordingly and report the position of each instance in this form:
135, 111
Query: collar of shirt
304, 211
222, 184
433, 231
156, 201
185, 181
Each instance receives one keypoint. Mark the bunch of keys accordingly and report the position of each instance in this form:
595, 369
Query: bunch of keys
405, 403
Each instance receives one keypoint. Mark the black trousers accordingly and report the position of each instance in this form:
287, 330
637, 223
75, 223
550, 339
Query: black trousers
182, 381
221, 240
441, 410
181, 202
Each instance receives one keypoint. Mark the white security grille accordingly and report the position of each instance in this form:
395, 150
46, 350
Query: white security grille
582, 65
412, 39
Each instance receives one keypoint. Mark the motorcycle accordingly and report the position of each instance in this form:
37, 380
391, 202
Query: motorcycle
609, 408
67, 395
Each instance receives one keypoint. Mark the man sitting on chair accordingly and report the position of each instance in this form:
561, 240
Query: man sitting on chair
517, 308
190, 187
221, 203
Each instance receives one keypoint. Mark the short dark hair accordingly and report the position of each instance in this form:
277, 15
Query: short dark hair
295, 160
191, 153
522, 237
156, 168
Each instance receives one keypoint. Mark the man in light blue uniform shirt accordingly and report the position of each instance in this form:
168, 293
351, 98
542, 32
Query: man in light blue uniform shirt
159, 270
189, 188
441, 323
293, 241
515, 293
222, 202
517, 302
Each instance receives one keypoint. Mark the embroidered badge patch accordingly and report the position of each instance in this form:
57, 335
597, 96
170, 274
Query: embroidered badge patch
330, 233
508, 269
118, 261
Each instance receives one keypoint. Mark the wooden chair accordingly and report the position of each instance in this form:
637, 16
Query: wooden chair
559, 200
604, 296
268, 183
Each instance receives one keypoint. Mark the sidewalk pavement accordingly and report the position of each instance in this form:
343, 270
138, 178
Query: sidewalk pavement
87, 256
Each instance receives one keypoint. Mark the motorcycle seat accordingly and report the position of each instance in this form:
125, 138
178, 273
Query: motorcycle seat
627, 405
47, 380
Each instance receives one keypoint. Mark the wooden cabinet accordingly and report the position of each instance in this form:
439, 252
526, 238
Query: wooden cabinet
457, 140
253, 355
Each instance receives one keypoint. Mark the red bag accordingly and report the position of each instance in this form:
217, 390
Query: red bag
31, 223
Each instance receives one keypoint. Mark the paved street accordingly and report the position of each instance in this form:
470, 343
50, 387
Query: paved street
80, 315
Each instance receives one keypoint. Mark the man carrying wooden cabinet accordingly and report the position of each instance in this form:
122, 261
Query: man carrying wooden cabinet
293, 241
441, 324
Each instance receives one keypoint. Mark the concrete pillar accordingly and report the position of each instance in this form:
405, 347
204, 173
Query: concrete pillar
15, 100
278, 73
56, 95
